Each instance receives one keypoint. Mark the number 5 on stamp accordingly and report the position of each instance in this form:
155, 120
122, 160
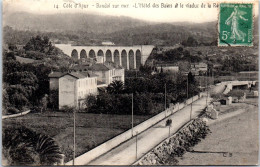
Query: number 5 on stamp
235, 24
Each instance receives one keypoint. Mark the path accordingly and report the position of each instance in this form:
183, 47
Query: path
125, 154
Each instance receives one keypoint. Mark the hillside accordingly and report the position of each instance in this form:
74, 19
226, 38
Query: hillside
165, 33
89, 29
70, 22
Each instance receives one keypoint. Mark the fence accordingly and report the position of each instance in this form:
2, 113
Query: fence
15, 115
112, 143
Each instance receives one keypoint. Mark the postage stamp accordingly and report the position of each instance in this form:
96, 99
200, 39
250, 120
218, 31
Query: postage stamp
235, 24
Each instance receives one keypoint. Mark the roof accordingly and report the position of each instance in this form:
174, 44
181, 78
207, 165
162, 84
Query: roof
78, 75
102, 89
98, 67
88, 74
81, 67
55, 74
100, 83
112, 65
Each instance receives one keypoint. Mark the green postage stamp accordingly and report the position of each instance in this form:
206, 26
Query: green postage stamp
235, 24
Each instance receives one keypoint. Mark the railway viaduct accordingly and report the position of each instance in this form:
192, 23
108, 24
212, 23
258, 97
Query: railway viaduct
129, 57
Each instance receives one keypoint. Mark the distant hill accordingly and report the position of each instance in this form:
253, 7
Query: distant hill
165, 34
90, 29
70, 22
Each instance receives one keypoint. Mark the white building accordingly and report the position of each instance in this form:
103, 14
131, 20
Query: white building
73, 87
106, 72
108, 43
171, 68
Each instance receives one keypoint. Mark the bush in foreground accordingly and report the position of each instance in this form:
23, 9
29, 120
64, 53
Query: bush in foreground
22, 146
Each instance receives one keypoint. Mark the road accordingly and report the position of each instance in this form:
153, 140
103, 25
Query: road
125, 154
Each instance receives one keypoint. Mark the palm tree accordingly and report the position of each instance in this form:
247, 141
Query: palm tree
116, 87
22, 146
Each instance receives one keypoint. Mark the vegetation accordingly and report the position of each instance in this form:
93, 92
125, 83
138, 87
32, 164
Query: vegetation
175, 55
22, 146
26, 84
148, 93
236, 93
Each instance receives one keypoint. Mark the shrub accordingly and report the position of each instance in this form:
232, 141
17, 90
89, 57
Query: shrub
236, 93
13, 110
22, 147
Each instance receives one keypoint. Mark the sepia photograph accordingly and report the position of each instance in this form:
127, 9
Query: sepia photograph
130, 82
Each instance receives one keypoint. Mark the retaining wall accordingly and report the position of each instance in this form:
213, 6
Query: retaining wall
112, 143
173, 145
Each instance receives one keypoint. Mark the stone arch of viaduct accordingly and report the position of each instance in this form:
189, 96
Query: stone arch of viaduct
129, 57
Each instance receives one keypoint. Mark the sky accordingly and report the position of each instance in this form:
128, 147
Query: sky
160, 14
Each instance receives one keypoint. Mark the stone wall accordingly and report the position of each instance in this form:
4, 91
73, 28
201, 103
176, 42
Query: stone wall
176, 145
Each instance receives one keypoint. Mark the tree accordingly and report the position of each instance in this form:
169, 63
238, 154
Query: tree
5, 102
18, 96
54, 99
27, 79
40, 44
22, 147
236, 93
191, 78
116, 87
91, 102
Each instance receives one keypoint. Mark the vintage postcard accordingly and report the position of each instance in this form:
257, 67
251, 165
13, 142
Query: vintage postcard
130, 82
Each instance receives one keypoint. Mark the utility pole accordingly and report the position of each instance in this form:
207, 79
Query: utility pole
207, 80
207, 89
249, 74
165, 98
132, 114
169, 131
74, 136
187, 86
213, 75
136, 145
191, 107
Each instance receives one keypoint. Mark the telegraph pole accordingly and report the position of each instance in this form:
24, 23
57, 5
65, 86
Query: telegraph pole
213, 75
136, 145
191, 107
207, 80
207, 89
74, 135
165, 98
132, 114
187, 86
169, 130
